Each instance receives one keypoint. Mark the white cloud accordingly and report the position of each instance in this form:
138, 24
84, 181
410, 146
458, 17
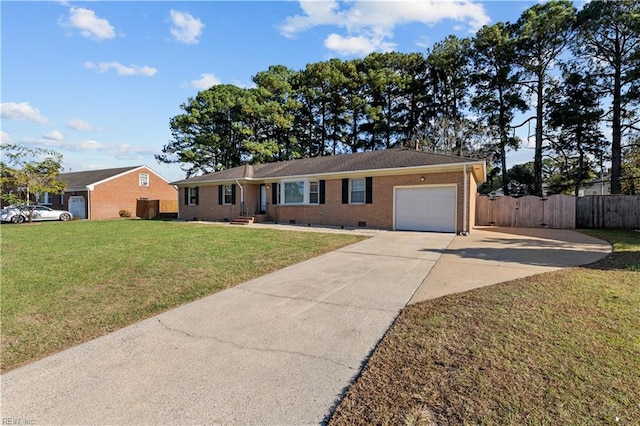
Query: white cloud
360, 45
4, 137
21, 111
90, 26
118, 151
120, 69
315, 13
89, 145
424, 42
130, 152
80, 125
53, 135
185, 28
205, 81
374, 21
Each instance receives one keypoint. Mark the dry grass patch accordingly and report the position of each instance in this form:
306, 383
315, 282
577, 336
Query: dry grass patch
66, 283
556, 348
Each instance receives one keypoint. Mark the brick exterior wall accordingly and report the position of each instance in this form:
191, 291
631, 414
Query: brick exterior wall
378, 214
121, 193
209, 208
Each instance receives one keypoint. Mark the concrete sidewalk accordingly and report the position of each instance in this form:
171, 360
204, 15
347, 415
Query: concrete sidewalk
491, 255
276, 350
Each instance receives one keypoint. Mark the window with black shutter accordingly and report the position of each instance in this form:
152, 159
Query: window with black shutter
226, 194
358, 191
191, 196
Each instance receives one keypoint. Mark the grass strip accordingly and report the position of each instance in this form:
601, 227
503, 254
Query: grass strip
66, 283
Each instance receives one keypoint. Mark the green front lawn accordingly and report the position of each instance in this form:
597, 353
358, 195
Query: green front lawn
556, 348
66, 283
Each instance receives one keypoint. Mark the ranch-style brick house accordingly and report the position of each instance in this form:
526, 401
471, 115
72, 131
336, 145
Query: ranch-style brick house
102, 194
398, 189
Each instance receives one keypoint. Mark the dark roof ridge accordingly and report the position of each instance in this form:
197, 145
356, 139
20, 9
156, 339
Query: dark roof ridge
330, 164
89, 177
113, 169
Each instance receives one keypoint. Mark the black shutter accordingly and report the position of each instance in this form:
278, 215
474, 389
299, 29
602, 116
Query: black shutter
220, 194
274, 193
233, 193
368, 194
197, 195
186, 196
345, 191
321, 189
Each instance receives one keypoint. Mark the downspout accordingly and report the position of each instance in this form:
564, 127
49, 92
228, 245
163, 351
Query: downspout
464, 202
241, 198
88, 203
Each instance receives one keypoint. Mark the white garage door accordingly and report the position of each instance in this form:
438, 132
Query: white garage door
425, 209
77, 206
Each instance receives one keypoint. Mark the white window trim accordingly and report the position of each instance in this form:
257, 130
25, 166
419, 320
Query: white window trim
306, 197
317, 192
364, 191
190, 196
47, 199
143, 181
224, 195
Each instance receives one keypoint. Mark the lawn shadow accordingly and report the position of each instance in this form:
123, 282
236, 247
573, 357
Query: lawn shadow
525, 246
561, 235
627, 260
551, 257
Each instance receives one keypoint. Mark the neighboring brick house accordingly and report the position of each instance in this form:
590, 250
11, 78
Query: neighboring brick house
102, 194
391, 189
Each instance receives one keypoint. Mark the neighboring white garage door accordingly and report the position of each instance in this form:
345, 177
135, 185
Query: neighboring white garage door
425, 209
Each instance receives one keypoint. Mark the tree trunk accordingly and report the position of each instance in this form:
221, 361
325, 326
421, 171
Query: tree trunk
503, 154
580, 166
388, 136
616, 149
537, 160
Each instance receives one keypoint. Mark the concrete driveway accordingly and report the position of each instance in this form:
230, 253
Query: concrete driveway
282, 348
276, 350
491, 255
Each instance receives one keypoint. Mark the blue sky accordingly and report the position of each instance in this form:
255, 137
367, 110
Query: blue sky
98, 81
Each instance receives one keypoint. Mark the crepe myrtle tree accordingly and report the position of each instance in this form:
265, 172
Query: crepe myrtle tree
28, 173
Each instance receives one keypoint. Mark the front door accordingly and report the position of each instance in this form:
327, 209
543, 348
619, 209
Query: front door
263, 198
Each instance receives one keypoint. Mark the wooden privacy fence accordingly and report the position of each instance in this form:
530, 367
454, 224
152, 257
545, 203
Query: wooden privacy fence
157, 209
556, 211
560, 211
608, 211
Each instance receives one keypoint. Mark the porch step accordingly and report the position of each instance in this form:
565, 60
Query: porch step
242, 220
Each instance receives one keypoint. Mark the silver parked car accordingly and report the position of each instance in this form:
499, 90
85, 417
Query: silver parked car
19, 214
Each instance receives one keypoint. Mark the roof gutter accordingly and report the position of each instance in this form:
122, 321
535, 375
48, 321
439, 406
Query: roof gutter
88, 202
241, 197
464, 202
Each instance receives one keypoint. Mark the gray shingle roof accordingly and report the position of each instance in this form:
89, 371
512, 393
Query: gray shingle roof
362, 161
79, 180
